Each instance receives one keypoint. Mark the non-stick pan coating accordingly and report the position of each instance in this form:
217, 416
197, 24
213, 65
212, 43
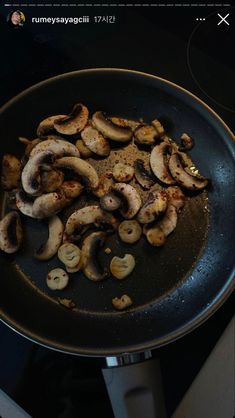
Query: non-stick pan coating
174, 287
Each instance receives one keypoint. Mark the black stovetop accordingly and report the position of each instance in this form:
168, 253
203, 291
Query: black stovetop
153, 40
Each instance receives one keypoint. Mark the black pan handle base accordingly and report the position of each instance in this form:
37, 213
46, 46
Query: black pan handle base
135, 390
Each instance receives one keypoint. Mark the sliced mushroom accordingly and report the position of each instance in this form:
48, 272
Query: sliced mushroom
95, 141
57, 279
187, 142
123, 172
110, 202
59, 147
142, 175
49, 204
11, 171
159, 162
154, 206
122, 267
11, 233
47, 125
133, 124
51, 180
110, 130
105, 185
73, 123
88, 215
24, 203
74, 269
55, 235
131, 200
176, 197
30, 144
72, 188
84, 151
122, 303
81, 168
30, 175
159, 128
145, 135
186, 180
155, 236
90, 265
169, 221
130, 231
69, 254
67, 303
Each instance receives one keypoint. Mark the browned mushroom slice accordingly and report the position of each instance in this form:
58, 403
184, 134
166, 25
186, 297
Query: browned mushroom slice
73, 123
55, 235
131, 200
130, 231
49, 204
51, 180
187, 142
80, 167
182, 177
95, 141
176, 197
47, 125
11, 172
133, 124
24, 203
123, 172
59, 147
142, 175
110, 130
154, 206
169, 221
105, 184
11, 233
122, 303
110, 202
157, 233
159, 162
159, 128
121, 267
88, 215
90, 264
155, 236
84, 151
145, 135
72, 188
30, 175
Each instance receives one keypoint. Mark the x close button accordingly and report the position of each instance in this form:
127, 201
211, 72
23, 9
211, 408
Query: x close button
223, 19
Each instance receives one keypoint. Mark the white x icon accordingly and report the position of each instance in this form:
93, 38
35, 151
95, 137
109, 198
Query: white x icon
223, 19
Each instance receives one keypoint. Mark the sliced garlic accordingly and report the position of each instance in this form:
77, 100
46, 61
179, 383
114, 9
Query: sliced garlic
69, 254
122, 267
122, 303
130, 231
57, 279
123, 172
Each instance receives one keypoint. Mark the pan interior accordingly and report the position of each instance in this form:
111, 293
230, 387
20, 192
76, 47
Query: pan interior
157, 271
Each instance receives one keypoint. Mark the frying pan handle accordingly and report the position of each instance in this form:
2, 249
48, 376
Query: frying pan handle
135, 390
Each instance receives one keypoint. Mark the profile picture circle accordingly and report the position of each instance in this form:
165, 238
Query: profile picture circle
16, 18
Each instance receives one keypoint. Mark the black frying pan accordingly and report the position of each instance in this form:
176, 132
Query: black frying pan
174, 288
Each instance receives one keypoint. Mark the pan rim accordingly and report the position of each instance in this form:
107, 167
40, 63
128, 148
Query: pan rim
117, 70
165, 339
